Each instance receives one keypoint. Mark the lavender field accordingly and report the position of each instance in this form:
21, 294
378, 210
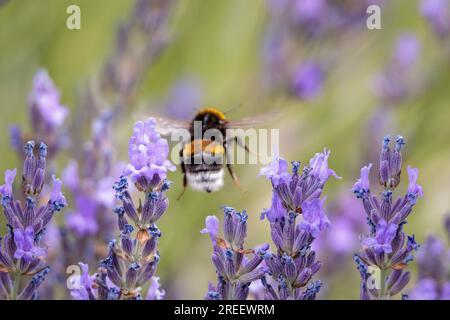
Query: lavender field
98, 203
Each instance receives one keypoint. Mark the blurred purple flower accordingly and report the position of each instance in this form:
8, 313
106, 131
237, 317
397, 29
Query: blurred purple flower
393, 83
83, 221
70, 176
382, 240
342, 237
407, 50
445, 291
437, 12
184, 97
154, 292
44, 101
7, 189
25, 247
309, 11
308, 80
148, 154
432, 259
426, 289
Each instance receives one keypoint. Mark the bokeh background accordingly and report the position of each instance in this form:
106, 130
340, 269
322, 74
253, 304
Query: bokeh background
250, 57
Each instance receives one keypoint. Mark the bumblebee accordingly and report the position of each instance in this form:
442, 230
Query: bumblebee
202, 158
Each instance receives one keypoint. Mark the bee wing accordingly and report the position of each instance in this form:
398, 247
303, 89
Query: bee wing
167, 126
254, 121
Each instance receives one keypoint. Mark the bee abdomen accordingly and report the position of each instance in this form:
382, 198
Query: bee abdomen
206, 181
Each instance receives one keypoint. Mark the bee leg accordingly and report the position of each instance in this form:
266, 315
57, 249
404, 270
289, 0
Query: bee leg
183, 170
184, 186
234, 177
242, 144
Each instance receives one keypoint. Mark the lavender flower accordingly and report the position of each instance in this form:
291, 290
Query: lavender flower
83, 222
148, 154
393, 84
133, 256
184, 96
22, 254
235, 272
47, 115
387, 249
433, 259
308, 80
154, 292
44, 102
294, 194
82, 288
437, 13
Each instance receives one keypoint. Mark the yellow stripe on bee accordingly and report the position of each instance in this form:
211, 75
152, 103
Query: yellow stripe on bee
214, 111
205, 146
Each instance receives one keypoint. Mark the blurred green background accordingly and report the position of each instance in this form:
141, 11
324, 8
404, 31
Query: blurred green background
220, 42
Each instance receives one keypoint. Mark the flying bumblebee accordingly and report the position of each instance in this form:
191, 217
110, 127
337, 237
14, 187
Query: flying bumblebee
202, 159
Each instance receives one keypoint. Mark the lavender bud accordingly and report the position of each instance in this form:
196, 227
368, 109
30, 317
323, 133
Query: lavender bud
29, 164
229, 228
132, 275
38, 181
401, 283
303, 277
230, 268
241, 229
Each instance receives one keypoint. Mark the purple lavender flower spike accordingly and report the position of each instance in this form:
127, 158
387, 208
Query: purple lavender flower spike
148, 154
387, 249
47, 116
297, 194
22, 256
234, 271
133, 255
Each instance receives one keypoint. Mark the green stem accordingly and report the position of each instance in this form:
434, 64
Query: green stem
15, 289
383, 274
